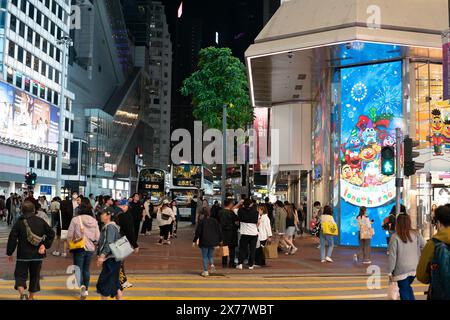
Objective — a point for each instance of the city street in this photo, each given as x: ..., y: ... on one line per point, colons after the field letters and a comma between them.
x: 173, y: 272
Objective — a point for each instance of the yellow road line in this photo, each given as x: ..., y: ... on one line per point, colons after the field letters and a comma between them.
x: 178, y: 298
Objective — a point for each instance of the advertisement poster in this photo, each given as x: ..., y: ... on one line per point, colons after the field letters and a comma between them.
x: 261, y: 126
x: 446, y: 70
x: 371, y: 109
x: 27, y: 119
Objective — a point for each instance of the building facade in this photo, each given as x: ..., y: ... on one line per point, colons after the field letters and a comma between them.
x: 31, y: 86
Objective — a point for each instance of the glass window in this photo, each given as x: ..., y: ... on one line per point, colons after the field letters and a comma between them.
x: 9, y: 77
x: 36, y: 64
x: 66, y: 124
x: 47, y: 3
x: 46, y: 162
x: 14, y: 2
x: 50, y: 72
x: 29, y: 35
x: 28, y: 60
x: 54, y: 7
x: 18, y: 80
x: 55, y: 98
x: 11, y: 48
x: 38, y: 17
x: 31, y: 11
x: 13, y: 22
x: 58, y: 55
x: 27, y: 84
x: 22, y: 29
x: 42, y: 92
x: 52, y: 28
x: 53, y: 166
x: 66, y: 145
x: 60, y: 13
x: 46, y: 23
x: 35, y: 88
x: 32, y: 155
x: 57, y: 76
x: 39, y: 160
x: 20, y: 54
x: 23, y: 6
x: 37, y: 41
x: 49, y: 95
x: 43, y: 68
x: 52, y: 51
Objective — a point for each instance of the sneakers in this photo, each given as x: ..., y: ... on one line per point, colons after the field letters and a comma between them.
x: 293, y: 251
x: 212, y: 269
x: 24, y: 297
x: 318, y: 247
x: 367, y: 262
x: 323, y: 261
x: 329, y: 259
x: 251, y: 268
x: 127, y: 285
x: 239, y: 266
x: 83, y: 293
x: 205, y: 274
x: 167, y: 242
x: 355, y: 258
x: 159, y: 242
x: 56, y: 253
x: 64, y: 255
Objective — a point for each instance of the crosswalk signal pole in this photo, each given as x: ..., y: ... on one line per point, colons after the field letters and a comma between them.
x: 398, y: 176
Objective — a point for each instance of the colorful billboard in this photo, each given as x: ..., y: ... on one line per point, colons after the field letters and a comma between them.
x: 371, y: 109
x: 27, y: 119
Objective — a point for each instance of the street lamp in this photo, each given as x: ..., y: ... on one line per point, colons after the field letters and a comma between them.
x: 65, y: 42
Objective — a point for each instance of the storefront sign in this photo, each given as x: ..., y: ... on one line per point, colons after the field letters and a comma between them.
x: 371, y: 197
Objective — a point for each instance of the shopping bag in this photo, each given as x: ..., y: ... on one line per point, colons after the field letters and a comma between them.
x: 271, y: 251
x: 393, y: 291
x: 225, y: 251
x: 366, y: 232
x: 330, y: 228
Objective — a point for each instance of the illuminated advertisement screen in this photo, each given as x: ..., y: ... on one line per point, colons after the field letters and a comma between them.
x: 186, y: 175
x: 25, y: 118
x: 371, y: 109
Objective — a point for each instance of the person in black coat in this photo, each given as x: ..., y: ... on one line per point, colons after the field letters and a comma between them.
x: 209, y: 235
x: 29, y: 256
x: 229, y: 222
x: 136, y: 209
x: 126, y: 223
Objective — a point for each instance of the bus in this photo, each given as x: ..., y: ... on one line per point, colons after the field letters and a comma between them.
x: 186, y: 182
x: 153, y: 183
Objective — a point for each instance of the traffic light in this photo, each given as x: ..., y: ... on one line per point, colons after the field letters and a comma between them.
x: 388, y: 161
x: 410, y: 166
x: 30, y: 178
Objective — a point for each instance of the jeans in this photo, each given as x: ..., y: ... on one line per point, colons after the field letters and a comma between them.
x: 364, y: 249
x: 83, y: 261
x: 245, y: 243
x: 323, y: 240
x: 406, y: 291
x: 207, y: 257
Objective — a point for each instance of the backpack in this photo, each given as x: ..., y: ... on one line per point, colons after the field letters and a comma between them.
x: 32, y: 238
x: 440, y: 272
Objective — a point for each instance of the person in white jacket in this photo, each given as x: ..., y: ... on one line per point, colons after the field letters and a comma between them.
x: 165, y: 216
x: 264, y: 235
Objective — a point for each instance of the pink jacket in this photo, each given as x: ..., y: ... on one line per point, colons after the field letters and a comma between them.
x: 91, y: 231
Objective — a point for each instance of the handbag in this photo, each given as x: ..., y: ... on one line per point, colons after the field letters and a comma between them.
x: 121, y: 249
x: 270, y: 251
x: 330, y: 228
x: 79, y: 243
x: 393, y: 291
x: 64, y: 233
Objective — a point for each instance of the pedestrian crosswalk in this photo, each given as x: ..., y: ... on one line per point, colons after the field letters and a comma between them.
x: 230, y: 287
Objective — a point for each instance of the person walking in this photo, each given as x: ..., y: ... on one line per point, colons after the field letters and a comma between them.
x: 165, y: 216
x: 301, y: 220
x: 248, y: 217
x: 365, y: 235
x: 136, y: 209
x: 202, y: 210
x: 215, y: 209
x: 176, y: 211
x: 209, y: 235
x: 64, y: 218
x: 42, y: 214
x: 125, y: 222
x: 405, y: 248
x: 193, y: 206
x: 55, y: 206
x: 270, y: 210
x: 326, y: 239
x: 84, y: 226
x: 9, y: 209
x: 31, y: 236
x: 264, y: 234
x: 435, y: 256
x: 290, y: 230
x: 228, y: 221
x: 280, y: 223
x: 108, y: 283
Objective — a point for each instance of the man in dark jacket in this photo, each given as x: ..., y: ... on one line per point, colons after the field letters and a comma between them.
x: 215, y: 209
x: 248, y: 217
x: 136, y: 210
x: 228, y: 221
x: 126, y: 223
x: 29, y: 256
x: 209, y: 236
x: 269, y: 207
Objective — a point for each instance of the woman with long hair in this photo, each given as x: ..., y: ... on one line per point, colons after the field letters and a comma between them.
x: 165, y: 217
x: 84, y: 226
x: 365, y: 235
x: 290, y: 230
x: 405, y: 248
x: 264, y: 234
x: 325, y: 239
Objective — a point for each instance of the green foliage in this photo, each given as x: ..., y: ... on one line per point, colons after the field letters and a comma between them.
x: 220, y: 80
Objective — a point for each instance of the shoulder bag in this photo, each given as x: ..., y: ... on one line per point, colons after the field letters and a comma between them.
x: 32, y: 238
x: 78, y: 244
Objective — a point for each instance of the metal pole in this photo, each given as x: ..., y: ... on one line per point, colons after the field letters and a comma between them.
x: 398, y: 178
x: 224, y: 154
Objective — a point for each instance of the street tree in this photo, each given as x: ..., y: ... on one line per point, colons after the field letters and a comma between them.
x: 220, y: 80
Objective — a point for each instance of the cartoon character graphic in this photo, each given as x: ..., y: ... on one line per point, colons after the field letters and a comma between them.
x: 352, y: 159
x: 347, y: 172
x: 371, y: 173
x: 437, y: 137
x: 369, y: 153
x: 357, y: 177
x: 369, y: 129
x: 353, y: 144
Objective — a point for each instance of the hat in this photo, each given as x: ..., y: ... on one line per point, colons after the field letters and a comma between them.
x: 165, y: 201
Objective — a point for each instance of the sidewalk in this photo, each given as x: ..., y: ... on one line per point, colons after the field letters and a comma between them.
x: 182, y: 258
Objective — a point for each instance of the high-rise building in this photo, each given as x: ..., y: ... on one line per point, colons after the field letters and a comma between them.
x: 30, y: 92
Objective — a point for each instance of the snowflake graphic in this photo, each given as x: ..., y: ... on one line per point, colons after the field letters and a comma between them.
x: 359, y: 92
x: 388, y: 100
